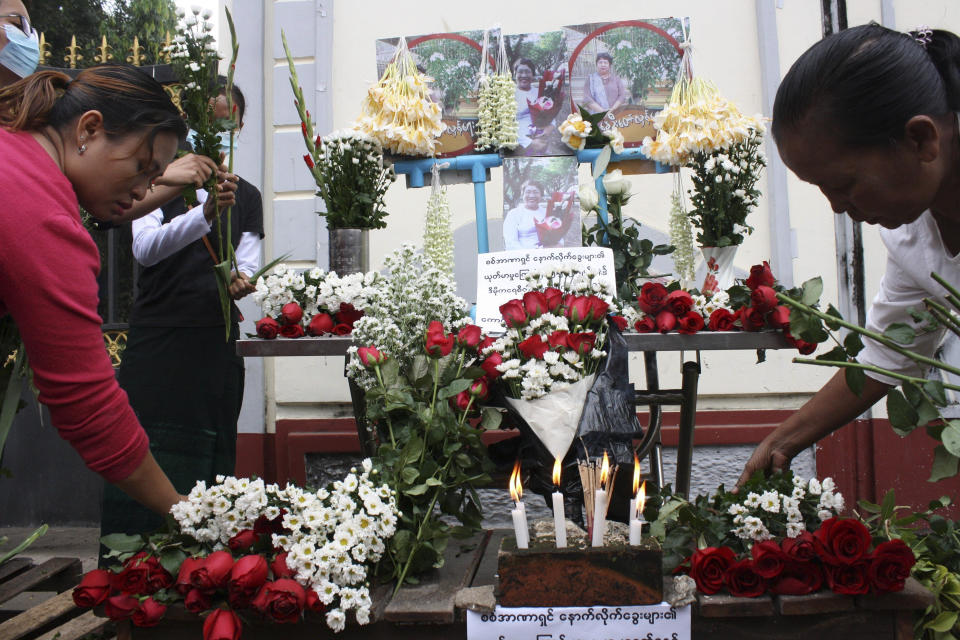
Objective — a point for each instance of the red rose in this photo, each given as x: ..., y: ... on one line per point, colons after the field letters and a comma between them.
x: 159, y: 578
x: 849, y: 579
x: 213, y: 571
x: 342, y: 329
x: 279, y: 567
x: 291, y: 331
x: 267, y: 328
x: 890, y: 565
x: 722, y: 320
x: 291, y: 313
x: 486, y: 342
x: 371, y: 357
x: 320, y: 324
x: 690, y: 322
x: 282, y: 600
x: 533, y: 347
x: 461, y: 401
x: 842, y: 541
x: 264, y: 525
x: 489, y: 365
x: 760, y: 276
x: 804, y: 347
x: 247, y: 576
x: 646, y: 324
x: 535, y: 304
x: 183, y: 584
x: 708, y: 566
x: 513, y: 313
x: 582, y: 343
x: 438, y: 344
x: 243, y: 540
x: 222, y: 624
x: 469, y: 336
x: 800, y: 548
x: 620, y: 321
x: 652, y: 297
x: 196, y: 601
x: 579, y: 310
x: 679, y: 301
x: 779, y: 317
x: 768, y: 558
x: 558, y: 340
x: 313, y: 602
x: 149, y: 613
x: 93, y: 589
x: 751, y: 319
x: 666, y: 321
x: 798, y: 578
x: 120, y: 606
x: 743, y: 581
x: 763, y: 298
x: 598, y: 308
x: 348, y: 314
x: 480, y: 388
x: 135, y: 575
x: 554, y: 298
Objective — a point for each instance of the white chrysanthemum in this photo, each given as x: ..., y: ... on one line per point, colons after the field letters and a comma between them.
x: 815, y: 487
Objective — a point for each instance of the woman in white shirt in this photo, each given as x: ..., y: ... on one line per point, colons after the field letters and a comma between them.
x: 520, y: 223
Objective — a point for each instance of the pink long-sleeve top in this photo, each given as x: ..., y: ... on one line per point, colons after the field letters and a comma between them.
x: 48, y: 283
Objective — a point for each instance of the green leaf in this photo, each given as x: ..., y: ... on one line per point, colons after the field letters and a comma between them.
x: 888, y: 505
x: 853, y: 344
x: 171, y: 559
x: 832, y: 311
x: 855, y: 379
x: 951, y: 437
x: 122, y: 542
x: 903, y: 417
x: 409, y: 475
x: 454, y: 388
x: 434, y: 482
x: 837, y: 354
x: 901, y: 333
x: 944, y: 464
x: 943, y: 622
x: 934, y: 389
x: 417, y: 490
x: 926, y: 412
x: 41, y: 530
x: 491, y: 418
x: 812, y: 290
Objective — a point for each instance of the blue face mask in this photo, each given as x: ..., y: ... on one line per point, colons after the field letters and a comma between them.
x: 224, y: 142
x: 21, y: 53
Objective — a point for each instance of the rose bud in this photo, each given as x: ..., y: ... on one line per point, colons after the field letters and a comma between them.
x: 222, y: 624
x: 598, y: 308
x: 890, y: 565
x: 535, y: 304
x: 779, y: 318
x: 134, y: 575
x: 743, y: 581
x: 760, y: 275
x: 620, y: 322
x: 558, y: 340
x: 513, y: 313
x: 120, y: 606
x: 763, y: 298
x: 342, y: 329
x: 439, y: 344
x: 282, y: 600
x: 469, y: 336
x: 93, y: 589
x: 798, y: 578
x: 680, y: 302
x: 480, y: 388
x: 279, y: 567
x: 579, y: 310
x: 768, y: 558
x: 751, y: 319
x: 554, y: 298
x: 183, y: 584
x: 159, y: 578
x: 722, y: 320
x: 462, y: 401
x: 646, y: 324
x: 666, y: 321
x: 196, y: 601
x: 267, y: 328
x: 291, y: 313
x: 800, y: 548
x: 653, y: 296
x: 291, y: 331
x: 582, y: 343
x: 314, y: 603
x: 371, y: 357
x: 246, y: 578
x: 348, y: 314
x: 805, y: 348
x: 213, y: 571
x: 243, y: 540
x: 149, y: 613
x: 533, y: 347
x: 486, y: 342
x: 489, y: 365
x: 690, y: 322
x: 320, y: 324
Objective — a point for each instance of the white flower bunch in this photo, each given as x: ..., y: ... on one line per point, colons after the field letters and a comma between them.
x: 761, y: 516
x: 574, y: 131
x: 331, y: 536
x: 403, y: 302
x: 706, y: 305
x: 681, y: 237
x: 437, y: 231
x: 315, y: 290
x: 497, y: 117
x: 349, y: 163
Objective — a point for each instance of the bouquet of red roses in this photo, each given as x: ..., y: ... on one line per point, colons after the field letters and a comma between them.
x: 549, y: 100
x: 559, y: 217
x: 291, y: 322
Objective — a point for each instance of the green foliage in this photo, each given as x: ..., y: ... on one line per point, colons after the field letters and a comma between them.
x: 545, y: 50
x: 453, y: 65
x: 29, y: 540
x: 643, y: 58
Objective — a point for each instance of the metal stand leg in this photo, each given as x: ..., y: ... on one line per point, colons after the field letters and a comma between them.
x: 688, y: 412
x: 656, y: 416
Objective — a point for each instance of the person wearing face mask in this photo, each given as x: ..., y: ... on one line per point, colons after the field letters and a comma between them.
x: 19, y: 43
x: 96, y: 141
x: 176, y: 346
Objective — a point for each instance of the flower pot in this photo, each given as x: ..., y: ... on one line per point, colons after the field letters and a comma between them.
x: 718, y: 262
x: 349, y: 250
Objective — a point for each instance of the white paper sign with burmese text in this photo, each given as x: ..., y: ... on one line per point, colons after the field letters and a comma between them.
x: 501, y: 276
x: 647, y: 622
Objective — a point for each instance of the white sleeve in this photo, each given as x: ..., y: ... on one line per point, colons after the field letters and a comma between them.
x: 153, y: 240
x: 897, y: 295
x: 511, y: 226
x: 248, y: 253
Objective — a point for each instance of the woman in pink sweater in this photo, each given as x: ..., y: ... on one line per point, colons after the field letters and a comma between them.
x: 96, y: 141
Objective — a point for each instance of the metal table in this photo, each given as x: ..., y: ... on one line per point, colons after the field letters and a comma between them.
x: 653, y: 396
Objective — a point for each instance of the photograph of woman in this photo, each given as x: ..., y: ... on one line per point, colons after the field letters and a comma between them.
x: 538, y: 64
x: 539, y: 203
x: 605, y: 90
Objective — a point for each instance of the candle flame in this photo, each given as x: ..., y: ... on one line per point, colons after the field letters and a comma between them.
x: 556, y: 473
x: 641, y: 499
x: 636, y: 472
x: 516, y: 489
x: 604, y: 470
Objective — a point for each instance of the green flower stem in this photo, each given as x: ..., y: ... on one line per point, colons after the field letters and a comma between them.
x: 868, y: 367
x: 954, y: 297
x: 916, y: 357
x: 463, y: 417
x: 943, y: 315
x: 376, y: 370
x: 423, y: 523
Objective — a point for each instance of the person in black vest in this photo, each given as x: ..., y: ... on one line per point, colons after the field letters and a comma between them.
x: 184, y: 380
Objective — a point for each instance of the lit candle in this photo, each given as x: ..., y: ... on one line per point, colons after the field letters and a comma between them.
x: 519, y: 514
x: 559, y: 518
x: 600, y: 504
x: 636, y: 485
x: 636, y: 517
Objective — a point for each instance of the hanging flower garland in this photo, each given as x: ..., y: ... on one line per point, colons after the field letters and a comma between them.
x: 398, y: 111
x: 437, y: 232
x: 497, y: 118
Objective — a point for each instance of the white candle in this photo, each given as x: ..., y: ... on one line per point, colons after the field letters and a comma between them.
x: 599, y: 516
x: 636, y: 531
x: 520, y: 526
x: 631, y: 514
x: 559, y: 520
